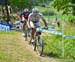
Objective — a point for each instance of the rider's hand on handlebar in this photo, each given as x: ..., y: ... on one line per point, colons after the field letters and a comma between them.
x: 46, y: 26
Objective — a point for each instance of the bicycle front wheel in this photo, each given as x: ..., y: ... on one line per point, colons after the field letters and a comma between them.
x: 39, y: 45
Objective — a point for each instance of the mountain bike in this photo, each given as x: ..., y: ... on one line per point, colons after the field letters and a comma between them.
x: 38, y: 41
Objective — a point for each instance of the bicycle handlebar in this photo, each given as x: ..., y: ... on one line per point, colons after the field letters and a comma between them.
x: 41, y: 28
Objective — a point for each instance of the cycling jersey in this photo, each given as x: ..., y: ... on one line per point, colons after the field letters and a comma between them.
x: 36, y: 19
x: 26, y: 17
x: 25, y: 14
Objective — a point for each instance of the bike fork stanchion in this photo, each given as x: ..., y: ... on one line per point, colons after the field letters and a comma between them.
x: 42, y: 49
x: 26, y: 35
x: 41, y: 45
x: 35, y: 46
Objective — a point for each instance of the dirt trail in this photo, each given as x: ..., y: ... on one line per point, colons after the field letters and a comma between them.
x: 42, y: 59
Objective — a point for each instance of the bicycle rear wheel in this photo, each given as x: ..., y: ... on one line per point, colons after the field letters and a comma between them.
x: 27, y: 34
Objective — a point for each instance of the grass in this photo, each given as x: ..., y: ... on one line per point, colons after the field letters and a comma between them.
x: 12, y: 49
x: 53, y: 47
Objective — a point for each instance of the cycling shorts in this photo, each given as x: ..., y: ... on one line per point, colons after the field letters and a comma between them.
x: 23, y: 21
x: 36, y: 23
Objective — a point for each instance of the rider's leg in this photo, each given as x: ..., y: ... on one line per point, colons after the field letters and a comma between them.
x: 24, y: 27
x: 32, y: 31
x: 37, y: 25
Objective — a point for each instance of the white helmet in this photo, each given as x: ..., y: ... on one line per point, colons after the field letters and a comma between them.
x: 35, y: 10
x: 26, y: 10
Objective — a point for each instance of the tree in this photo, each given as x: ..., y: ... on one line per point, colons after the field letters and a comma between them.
x: 21, y: 4
x: 73, y: 2
x: 65, y: 5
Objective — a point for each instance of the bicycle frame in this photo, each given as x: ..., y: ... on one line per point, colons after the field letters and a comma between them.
x: 38, y: 46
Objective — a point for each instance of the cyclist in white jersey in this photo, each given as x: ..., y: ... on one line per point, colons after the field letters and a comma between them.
x: 34, y: 21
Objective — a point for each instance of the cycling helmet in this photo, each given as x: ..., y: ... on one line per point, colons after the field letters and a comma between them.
x: 35, y: 10
x: 26, y: 10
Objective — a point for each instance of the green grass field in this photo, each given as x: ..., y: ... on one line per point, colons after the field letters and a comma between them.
x: 13, y: 48
x: 53, y: 47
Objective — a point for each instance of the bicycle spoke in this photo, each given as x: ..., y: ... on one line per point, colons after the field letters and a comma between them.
x: 39, y: 46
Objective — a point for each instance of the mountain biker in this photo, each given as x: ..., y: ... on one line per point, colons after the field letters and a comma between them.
x: 24, y: 18
x: 34, y: 21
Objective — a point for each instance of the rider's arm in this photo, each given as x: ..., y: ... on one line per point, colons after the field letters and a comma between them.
x: 44, y: 22
x: 43, y: 19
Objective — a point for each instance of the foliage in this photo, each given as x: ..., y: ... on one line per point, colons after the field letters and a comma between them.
x: 71, y: 19
x: 53, y: 45
x: 46, y: 11
x: 20, y: 3
x: 25, y: 3
x: 65, y: 5
x: 12, y: 49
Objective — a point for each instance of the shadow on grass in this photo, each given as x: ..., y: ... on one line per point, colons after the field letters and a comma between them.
x: 51, y: 54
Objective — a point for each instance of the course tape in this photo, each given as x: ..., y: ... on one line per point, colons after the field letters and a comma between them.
x: 52, y: 32
x: 58, y: 33
x: 70, y: 37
